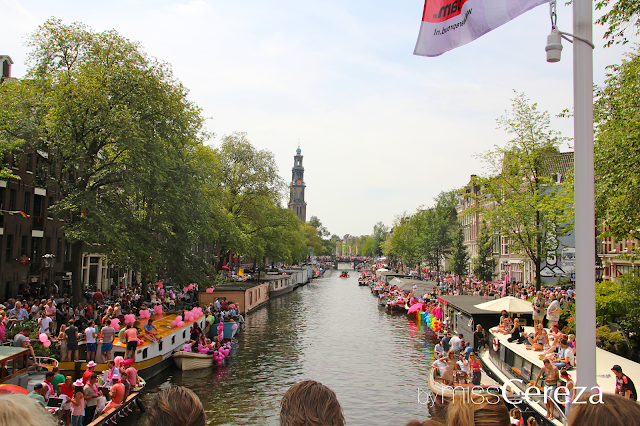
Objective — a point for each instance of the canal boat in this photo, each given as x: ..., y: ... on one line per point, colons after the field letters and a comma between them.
x: 344, y: 274
x: 186, y: 361
x: 447, y: 394
x: 506, y: 361
x: 113, y: 415
x: 151, y: 357
x: 229, y: 329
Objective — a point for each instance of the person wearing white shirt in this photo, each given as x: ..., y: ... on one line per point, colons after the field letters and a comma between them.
x: 464, y: 373
x: 90, y: 336
x: 44, y: 324
x: 456, y: 343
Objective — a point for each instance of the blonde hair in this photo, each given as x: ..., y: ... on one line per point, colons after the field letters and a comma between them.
x: 479, y: 410
x: 20, y: 410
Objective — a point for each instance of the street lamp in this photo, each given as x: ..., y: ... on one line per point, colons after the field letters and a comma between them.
x: 584, y: 203
x: 49, y: 260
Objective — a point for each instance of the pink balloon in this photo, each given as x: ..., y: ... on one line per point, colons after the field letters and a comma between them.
x: 46, y: 343
x: 161, y: 292
x: 43, y: 337
x: 115, y: 323
x: 145, y: 313
x: 234, y: 326
x: 181, y: 324
x: 140, y: 342
x: 157, y: 309
x: 179, y: 318
x: 209, y: 290
x: 185, y: 289
x: 129, y: 319
x: 219, y: 363
x: 174, y: 323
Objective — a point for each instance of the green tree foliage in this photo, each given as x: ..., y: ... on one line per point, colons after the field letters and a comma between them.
x: 621, y: 17
x: 403, y: 244
x: 459, y: 255
x: 617, y: 149
x: 484, y: 264
x: 520, y: 199
x: 379, y: 236
x: 248, y: 187
x: 436, y: 228
x: 116, y: 132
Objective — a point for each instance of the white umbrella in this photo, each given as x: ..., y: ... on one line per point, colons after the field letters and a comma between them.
x: 383, y: 270
x: 509, y: 304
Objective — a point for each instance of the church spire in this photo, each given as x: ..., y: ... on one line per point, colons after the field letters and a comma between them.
x: 297, y: 204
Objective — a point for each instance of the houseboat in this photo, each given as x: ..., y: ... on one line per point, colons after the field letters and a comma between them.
x: 151, y: 357
x: 508, y: 361
x: 247, y: 295
x: 280, y: 284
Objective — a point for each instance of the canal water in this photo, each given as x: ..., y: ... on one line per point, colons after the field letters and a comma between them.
x: 332, y: 331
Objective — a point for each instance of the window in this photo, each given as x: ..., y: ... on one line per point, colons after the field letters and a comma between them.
x: 145, y: 352
x: 504, y: 246
x: 49, y: 214
x: 160, y: 346
x: 27, y: 202
x: 29, y: 163
x: 184, y: 334
x: 12, y: 199
x: 173, y: 340
x: 24, y: 248
x: 9, y: 249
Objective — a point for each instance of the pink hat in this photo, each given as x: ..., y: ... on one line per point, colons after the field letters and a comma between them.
x: 78, y: 383
x: 128, y: 361
x: 91, y: 364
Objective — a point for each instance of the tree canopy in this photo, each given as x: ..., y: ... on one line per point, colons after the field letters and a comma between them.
x: 521, y: 199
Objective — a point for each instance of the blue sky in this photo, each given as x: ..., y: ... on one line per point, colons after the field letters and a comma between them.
x: 382, y: 131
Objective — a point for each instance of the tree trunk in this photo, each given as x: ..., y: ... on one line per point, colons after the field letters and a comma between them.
x: 76, y: 272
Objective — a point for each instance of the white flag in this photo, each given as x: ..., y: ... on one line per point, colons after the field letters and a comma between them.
x: 447, y: 24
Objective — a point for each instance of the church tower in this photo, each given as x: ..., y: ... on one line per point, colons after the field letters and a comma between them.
x: 296, y: 198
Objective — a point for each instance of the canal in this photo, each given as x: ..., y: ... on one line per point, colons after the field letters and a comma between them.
x: 332, y: 331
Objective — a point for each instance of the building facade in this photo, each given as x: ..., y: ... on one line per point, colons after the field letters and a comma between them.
x: 297, y: 204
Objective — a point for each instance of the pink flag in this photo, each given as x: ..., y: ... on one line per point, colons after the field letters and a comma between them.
x: 447, y: 24
x: 504, y: 286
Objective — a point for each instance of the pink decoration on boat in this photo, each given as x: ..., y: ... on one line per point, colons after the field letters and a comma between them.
x: 129, y: 318
x: 145, y: 314
x: 43, y: 337
x: 157, y: 309
x: 115, y: 323
x: 46, y: 343
x: 234, y: 327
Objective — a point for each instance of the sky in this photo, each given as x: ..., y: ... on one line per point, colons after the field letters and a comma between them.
x: 382, y: 131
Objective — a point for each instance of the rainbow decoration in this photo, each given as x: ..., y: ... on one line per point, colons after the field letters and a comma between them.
x: 15, y: 213
x: 434, y: 323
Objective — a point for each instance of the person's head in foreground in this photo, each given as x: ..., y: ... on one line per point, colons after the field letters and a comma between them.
x: 20, y: 410
x: 614, y: 410
x: 310, y: 403
x: 478, y: 410
x: 176, y: 406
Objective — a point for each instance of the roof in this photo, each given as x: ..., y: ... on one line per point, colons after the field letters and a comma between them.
x: 9, y: 351
x: 467, y: 304
x: 559, y: 163
x: 239, y: 286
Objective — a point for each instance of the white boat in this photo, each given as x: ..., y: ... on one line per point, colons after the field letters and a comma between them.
x: 459, y: 390
x: 192, y: 361
x: 506, y: 361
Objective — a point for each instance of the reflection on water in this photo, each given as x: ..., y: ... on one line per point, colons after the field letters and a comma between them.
x: 332, y: 331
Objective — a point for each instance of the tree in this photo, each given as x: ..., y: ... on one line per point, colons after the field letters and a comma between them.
x: 484, y: 265
x: 617, y: 149
x: 435, y: 227
x: 521, y: 199
x: 380, y: 231
x: 248, y: 186
x: 403, y: 243
x: 323, y: 232
x: 622, y: 16
x: 459, y: 255
x: 114, y: 129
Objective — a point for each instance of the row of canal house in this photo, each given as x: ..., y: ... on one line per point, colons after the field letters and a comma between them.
x: 250, y: 295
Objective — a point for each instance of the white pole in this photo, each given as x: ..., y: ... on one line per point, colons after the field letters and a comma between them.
x: 584, y: 193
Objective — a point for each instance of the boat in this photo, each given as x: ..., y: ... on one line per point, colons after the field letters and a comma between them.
x: 447, y: 394
x: 114, y: 415
x: 506, y: 361
x: 344, y: 274
x: 151, y: 357
x: 192, y: 361
x: 229, y: 331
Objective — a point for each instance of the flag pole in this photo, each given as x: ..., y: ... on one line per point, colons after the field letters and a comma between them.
x: 585, y: 237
